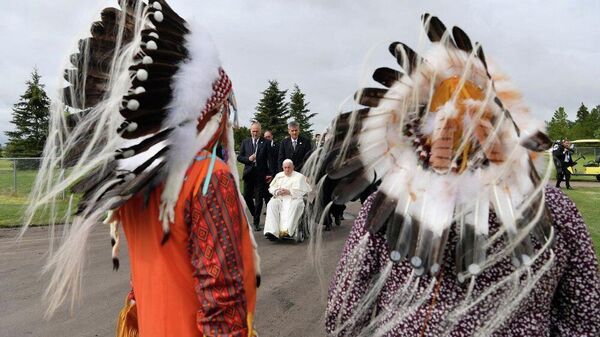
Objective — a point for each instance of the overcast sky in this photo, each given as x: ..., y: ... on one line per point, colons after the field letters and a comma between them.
x: 549, y: 48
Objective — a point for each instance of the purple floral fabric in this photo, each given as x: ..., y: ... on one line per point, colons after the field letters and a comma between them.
x: 564, y: 302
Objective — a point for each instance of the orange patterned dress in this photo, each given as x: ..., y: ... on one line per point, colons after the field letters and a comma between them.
x: 201, y: 282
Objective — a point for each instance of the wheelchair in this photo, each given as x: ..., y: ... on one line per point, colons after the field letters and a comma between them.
x: 302, y: 230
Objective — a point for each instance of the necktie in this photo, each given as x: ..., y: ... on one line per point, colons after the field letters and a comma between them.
x: 253, y: 145
x: 294, y: 144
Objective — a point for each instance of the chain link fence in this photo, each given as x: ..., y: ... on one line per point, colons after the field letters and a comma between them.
x: 17, y: 175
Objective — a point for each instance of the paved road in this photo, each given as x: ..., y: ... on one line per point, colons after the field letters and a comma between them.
x: 578, y: 183
x: 290, y: 300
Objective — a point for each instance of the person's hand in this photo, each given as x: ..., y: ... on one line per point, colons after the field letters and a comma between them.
x: 268, y: 179
x: 252, y: 157
x: 283, y: 191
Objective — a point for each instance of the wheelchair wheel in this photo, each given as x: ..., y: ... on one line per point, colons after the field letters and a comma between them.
x: 299, y: 236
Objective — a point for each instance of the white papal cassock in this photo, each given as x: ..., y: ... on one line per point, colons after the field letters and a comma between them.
x: 284, y: 211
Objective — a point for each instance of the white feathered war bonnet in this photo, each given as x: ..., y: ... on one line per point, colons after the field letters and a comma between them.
x: 146, y: 92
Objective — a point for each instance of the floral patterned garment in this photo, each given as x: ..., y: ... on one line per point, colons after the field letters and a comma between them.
x: 564, y: 302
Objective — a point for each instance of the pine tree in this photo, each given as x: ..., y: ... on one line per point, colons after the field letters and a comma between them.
x: 582, y: 112
x: 581, y: 127
x: 594, y: 121
x: 272, y: 111
x: 558, y: 127
x: 240, y: 134
x: 30, y: 117
x: 299, y: 112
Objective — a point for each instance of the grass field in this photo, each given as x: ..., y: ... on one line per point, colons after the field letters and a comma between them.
x: 587, y: 200
x: 13, y: 204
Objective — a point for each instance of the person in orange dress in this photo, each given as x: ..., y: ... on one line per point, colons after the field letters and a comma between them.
x: 148, y: 145
x: 201, y: 281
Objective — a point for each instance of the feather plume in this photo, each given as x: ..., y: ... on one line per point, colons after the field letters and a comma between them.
x: 146, y: 62
x: 387, y: 76
x: 439, y: 137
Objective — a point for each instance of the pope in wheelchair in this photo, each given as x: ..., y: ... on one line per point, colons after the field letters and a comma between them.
x: 285, y: 208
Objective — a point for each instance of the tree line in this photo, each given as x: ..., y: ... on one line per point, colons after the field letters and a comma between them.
x: 31, y: 114
x: 30, y: 117
x: 585, y: 126
x: 273, y: 112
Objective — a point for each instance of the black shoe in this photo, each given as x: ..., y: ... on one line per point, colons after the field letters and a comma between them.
x: 271, y: 237
x: 256, y: 227
x: 569, y: 187
x: 338, y: 220
x: 328, y: 228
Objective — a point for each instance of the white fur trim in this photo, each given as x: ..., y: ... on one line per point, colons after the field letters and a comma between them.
x: 142, y: 75
x: 133, y: 104
x: 151, y: 45
x: 147, y: 60
x: 132, y: 127
x: 192, y: 87
x: 158, y: 16
x: 179, y: 159
x: 193, y: 82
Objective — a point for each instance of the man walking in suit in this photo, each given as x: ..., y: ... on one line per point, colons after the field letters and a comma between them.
x: 295, y: 147
x: 563, y: 157
x: 273, y: 153
x: 254, y: 154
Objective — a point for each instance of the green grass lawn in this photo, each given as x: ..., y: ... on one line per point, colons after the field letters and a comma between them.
x: 13, y: 204
x: 24, y: 181
x: 587, y: 200
x: 14, y: 201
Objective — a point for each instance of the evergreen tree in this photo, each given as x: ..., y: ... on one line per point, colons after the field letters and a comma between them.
x: 240, y: 134
x: 272, y: 111
x: 558, y: 127
x: 299, y: 112
x: 30, y: 117
x: 594, y: 121
x: 582, y: 112
x: 581, y: 127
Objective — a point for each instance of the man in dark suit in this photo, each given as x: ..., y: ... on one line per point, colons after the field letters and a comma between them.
x: 295, y: 147
x: 273, y: 153
x: 562, y: 155
x: 254, y: 154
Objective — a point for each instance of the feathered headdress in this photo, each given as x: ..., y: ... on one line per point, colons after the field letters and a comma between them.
x: 442, y: 137
x: 146, y: 92
x: 451, y: 140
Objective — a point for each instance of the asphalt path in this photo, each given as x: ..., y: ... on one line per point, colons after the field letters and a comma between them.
x: 291, y: 299
x: 578, y: 183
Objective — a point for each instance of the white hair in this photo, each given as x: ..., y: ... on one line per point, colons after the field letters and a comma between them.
x: 288, y: 161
